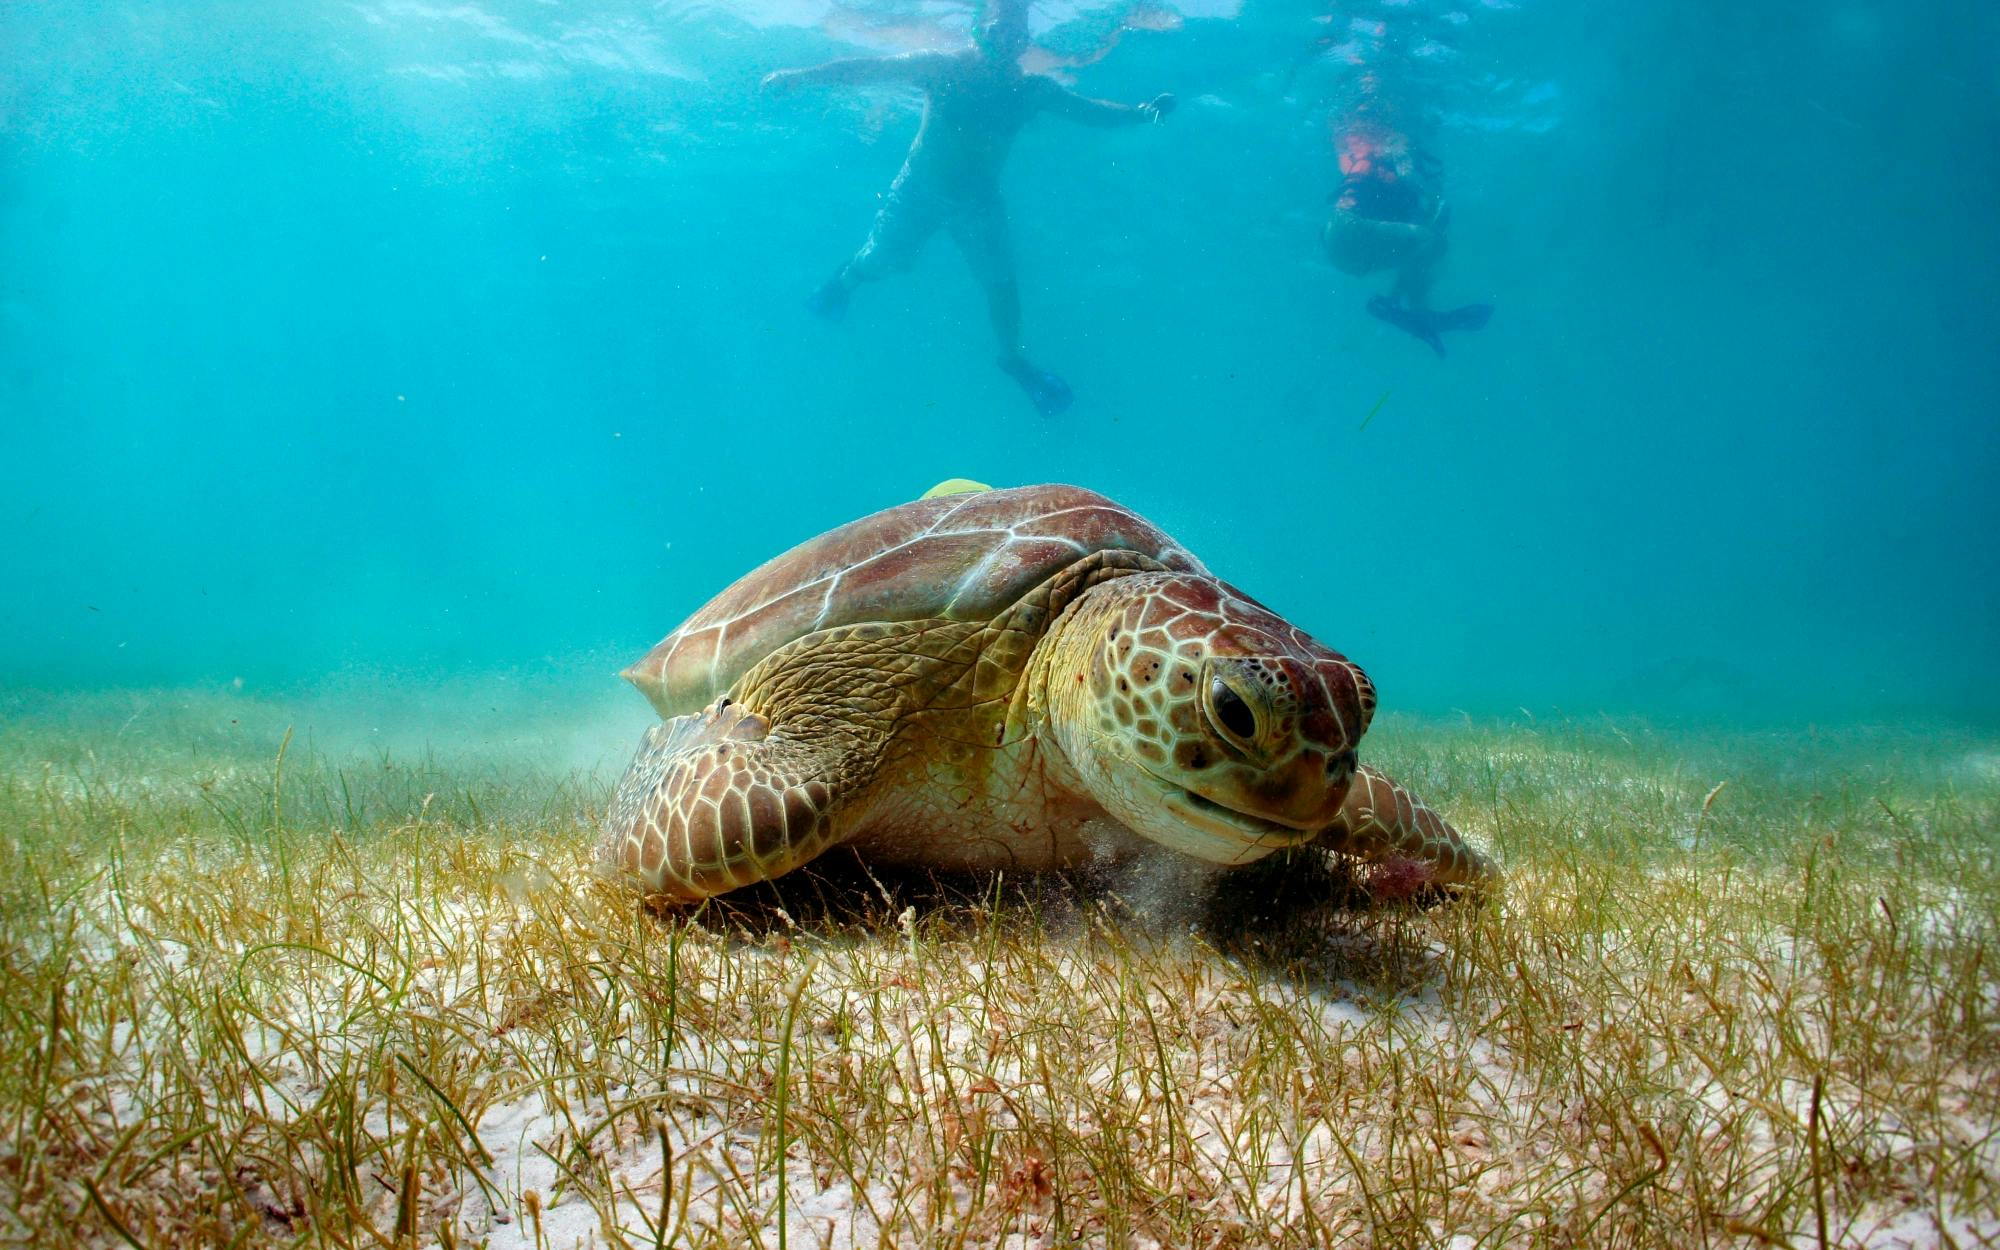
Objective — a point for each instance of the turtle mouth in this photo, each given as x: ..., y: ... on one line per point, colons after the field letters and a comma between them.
x: 1205, y: 813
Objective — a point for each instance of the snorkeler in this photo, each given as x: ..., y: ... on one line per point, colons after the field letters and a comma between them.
x: 975, y: 102
x: 1388, y: 215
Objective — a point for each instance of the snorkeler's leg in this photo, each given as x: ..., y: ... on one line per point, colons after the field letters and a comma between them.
x: 1003, y: 309
x: 902, y: 225
x: 981, y: 234
x: 1048, y: 392
x: 1414, y: 273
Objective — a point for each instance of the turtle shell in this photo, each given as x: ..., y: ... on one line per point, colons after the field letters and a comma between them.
x: 954, y: 557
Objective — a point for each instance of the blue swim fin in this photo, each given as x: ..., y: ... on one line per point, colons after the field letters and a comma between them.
x: 1049, y: 393
x: 830, y: 301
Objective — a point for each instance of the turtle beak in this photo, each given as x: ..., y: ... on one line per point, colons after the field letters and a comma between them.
x: 1306, y: 791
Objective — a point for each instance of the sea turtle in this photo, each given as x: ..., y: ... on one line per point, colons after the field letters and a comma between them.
x: 1032, y: 678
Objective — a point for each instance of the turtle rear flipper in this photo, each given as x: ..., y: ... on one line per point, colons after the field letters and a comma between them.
x: 716, y: 800
x: 1380, y: 819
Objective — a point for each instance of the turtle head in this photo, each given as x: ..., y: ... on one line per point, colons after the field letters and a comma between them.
x: 1201, y: 719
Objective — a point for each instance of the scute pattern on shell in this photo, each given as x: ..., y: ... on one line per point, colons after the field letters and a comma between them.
x: 955, y: 557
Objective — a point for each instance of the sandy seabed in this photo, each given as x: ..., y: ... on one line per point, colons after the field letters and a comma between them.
x: 1738, y: 990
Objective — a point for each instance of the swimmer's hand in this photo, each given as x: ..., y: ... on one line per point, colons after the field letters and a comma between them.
x: 780, y: 82
x: 1159, y: 106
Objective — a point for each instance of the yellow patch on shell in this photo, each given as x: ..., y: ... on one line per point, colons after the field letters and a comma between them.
x: 955, y: 486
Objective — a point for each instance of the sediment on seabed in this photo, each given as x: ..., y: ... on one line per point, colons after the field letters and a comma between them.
x: 1737, y: 990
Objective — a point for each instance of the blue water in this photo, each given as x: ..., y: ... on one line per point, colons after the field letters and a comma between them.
x: 428, y: 338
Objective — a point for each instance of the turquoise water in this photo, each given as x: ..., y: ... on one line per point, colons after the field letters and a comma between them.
x: 442, y: 339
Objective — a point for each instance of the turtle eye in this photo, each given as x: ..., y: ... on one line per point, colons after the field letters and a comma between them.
x: 1229, y: 712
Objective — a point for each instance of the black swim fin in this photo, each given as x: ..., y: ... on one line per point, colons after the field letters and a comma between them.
x: 1428, y: 326
x: 1416, y: 323
x: 1468, y: 317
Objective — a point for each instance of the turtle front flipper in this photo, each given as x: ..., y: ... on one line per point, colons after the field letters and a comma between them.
x: 715, y: 800
x: 1380, y: 819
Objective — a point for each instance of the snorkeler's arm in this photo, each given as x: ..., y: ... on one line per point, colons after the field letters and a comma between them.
x: 1063, y: 102
x: 910, y: 68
